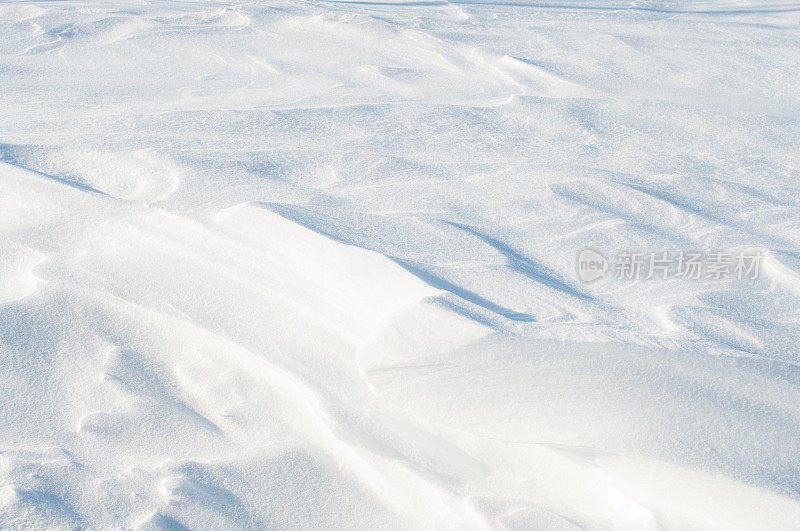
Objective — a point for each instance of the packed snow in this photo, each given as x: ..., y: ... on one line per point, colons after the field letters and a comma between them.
x: 315, y: 264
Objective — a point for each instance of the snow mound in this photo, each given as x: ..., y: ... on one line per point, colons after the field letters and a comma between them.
x: 313, y: 265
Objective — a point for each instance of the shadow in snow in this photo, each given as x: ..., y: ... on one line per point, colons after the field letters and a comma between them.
x: 440, y: 283
x: 307, y: 221
x: 524, y: 265
x: 7, y: 155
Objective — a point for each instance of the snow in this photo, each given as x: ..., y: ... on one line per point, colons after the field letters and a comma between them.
x: 313, y: 264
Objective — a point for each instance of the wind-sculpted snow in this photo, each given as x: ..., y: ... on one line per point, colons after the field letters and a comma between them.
x: 297, y: 265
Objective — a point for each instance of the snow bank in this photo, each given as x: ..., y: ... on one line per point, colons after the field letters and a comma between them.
x: 313, y: 265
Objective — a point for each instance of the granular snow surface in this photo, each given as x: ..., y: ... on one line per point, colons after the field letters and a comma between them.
x: 315, y: 264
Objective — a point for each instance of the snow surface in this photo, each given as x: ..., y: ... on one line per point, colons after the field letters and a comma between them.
x: 298, y: 264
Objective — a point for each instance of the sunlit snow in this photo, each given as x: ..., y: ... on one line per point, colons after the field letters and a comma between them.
x: 313, y: 264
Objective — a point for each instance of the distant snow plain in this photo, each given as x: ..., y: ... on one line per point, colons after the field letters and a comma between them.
x: 313, y: 264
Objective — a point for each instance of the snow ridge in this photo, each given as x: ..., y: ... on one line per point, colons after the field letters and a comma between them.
x: 313, y: 265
